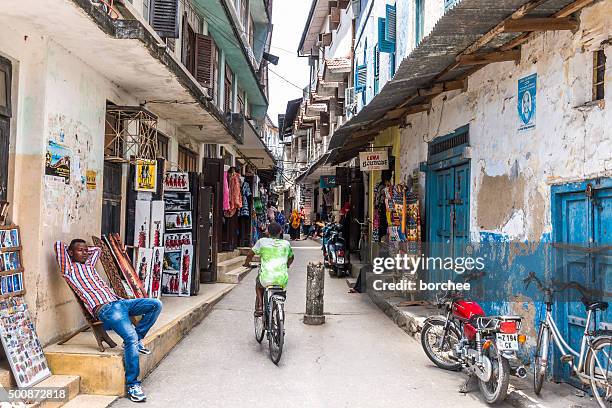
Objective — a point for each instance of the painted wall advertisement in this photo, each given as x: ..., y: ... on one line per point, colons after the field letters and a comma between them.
x: 57, y: 162
x: 374, y: 160
x: 527, y: 102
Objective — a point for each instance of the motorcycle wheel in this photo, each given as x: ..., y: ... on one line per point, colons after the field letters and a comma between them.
x: 496, y: 389
x: 430, y: 335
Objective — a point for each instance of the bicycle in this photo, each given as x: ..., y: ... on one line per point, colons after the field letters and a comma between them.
x: 593, y: 368
x: 272, y: 322
x: 363, y: 238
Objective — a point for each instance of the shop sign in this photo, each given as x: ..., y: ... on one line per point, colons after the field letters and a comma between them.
x: 374, y: 160
x: 146, y: 175
x: 327, y: 182
x: 527, y: 102
x: 57, y: 161
x: 90, y: 175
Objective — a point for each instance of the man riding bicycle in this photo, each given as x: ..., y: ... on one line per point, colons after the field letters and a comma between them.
x: 276, y: 257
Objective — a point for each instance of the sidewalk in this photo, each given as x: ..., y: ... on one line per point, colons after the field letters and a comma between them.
x: 521, y: 395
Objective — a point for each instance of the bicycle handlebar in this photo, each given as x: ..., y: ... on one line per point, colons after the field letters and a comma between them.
x: 533, y: 278
x: 558, y: 286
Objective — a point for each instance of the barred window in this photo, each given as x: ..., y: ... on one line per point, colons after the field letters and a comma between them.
x: 187, y: 159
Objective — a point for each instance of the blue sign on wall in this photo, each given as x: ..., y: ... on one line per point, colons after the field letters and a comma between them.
x: 527, y: 102
x: 327, y: 182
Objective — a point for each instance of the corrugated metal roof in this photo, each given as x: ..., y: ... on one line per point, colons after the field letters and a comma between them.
x: 456, y: 30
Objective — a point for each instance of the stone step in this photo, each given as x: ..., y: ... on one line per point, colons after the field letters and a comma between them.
x: 6, y: 376
x: 70, y: 382
x: 102, y: 373
x: 244, y: 250
x: 234, y: 276
x: 229, y: 265
x: 91, y: 401
x: 225, y: 256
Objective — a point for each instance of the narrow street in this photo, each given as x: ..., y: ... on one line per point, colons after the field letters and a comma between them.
x: 359, y: 358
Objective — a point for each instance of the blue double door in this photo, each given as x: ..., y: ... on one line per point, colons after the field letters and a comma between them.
x: 581, y: 252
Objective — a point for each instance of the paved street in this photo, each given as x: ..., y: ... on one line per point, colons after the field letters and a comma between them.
x: 359, y: 358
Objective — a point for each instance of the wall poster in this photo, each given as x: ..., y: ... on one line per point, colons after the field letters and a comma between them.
x: 527, y: 87
x: 57, y: 161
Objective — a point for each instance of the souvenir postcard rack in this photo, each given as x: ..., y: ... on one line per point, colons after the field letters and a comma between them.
x: 11, y: 262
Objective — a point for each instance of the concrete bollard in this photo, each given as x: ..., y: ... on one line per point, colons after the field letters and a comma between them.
x: 315, y: 282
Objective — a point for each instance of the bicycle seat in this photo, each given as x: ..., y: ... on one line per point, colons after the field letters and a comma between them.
x: 594, y: 304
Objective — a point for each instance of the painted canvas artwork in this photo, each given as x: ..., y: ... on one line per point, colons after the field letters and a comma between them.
x: 142, y: 223
x: 173, y: 242
x: 157, y: 224
x: 24, y: 351
x: 170, y: 283
x: 185, y: 269
x: 143, y: 266
x: 177, y: 201
x: 146, y: 175
x: 9, y: 238
x: 176, y: 181
x: 10, y: 261
x: 178, y: 220
x: 157, y: 265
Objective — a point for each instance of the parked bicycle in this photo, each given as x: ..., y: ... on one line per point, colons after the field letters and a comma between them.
x: 363, y: 239
x: 272, y: 322
x: 594, y: 365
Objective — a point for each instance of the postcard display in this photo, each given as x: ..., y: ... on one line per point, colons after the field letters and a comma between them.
x: 17, y: 333
x: 178, y: 236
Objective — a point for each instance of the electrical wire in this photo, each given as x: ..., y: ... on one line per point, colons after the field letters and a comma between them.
x: 285, y: 79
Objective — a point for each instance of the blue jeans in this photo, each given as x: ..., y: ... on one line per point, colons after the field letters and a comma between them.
x: 116, y: 316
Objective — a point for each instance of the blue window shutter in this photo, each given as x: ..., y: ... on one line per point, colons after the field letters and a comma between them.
x: 383, y: 44
x: 361, y: 78
x: 392, y: 65
x: 419, y: 20
x: 390, y: 23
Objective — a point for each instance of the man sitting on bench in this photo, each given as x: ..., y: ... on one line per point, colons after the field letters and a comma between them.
x: 77, y: 263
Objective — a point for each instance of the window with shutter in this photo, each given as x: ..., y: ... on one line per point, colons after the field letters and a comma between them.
x: 383, y: 44
x: 390, y: 23
x: 163, y: 17
x: 376, y: 69
x: 204, y: 53
x: 229, y: 89
x: 361, y: 78
x: 419, y: 20
x: 188, y: 49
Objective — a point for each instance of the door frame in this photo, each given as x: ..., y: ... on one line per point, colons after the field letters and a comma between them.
x: 6, y: 67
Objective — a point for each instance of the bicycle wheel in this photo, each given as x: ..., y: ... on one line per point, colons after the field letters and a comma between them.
x: 277, y: 332
x: 599, y: 368
x: 260, y: 324
x: 541, y: 358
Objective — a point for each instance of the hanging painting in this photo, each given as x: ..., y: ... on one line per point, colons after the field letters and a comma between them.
x: 177, y: 201
x: 143, y: 265
x: 186, y: 264
x: 157, y: 265
x: 157, y: 223
x: 171, y: 273
x: 178, y: 220
x: 142, y: 223
x: 173, y: 242
x: 176, y: 181
x: 21, y: 345
x: 146, y: 175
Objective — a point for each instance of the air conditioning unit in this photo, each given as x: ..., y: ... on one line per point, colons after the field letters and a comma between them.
x: 350, y: 103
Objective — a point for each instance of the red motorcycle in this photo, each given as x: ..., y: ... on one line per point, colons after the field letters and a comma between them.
x: 485, y: 346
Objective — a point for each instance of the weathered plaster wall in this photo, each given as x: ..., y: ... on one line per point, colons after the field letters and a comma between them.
x: 512, y: 170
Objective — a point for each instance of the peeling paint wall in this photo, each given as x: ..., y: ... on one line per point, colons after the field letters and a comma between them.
x: 512, y: 171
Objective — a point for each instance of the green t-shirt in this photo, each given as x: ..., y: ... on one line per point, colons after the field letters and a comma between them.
x: 274, y: 254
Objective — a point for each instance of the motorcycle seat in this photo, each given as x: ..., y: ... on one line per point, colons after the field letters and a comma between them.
x: 594, y: 304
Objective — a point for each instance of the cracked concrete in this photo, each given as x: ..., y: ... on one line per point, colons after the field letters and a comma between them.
x: 358, y: 358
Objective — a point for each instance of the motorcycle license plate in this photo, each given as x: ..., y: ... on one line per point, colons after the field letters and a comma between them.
x: 340, y: 260
x: 507, y: 341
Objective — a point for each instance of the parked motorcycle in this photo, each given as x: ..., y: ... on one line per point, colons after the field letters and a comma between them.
x: 485, y: 346
x: 335, y: 256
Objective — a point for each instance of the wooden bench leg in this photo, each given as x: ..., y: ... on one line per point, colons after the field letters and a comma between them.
x: 74, y: 333
x: 102, y: 336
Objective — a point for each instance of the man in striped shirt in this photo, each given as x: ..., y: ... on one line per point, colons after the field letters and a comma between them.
x: 77, y: 263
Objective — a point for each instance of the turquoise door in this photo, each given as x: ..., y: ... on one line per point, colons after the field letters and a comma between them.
x: 448, y: 210
x: 582, y: 229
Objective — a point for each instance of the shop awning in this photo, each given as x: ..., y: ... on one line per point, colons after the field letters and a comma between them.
x: 130, y: 55
x: 293, y: 108
x: 253, y: 148
x: 433, y: 66
x: 316, y: 170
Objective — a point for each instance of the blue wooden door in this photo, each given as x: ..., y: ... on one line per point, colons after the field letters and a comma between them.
x: 448, y: 212
x: 582, y: 228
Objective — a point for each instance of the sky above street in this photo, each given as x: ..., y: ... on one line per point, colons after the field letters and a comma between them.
x: 288, y: 18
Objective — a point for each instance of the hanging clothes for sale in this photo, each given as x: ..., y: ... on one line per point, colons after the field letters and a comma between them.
x: 246, y: 198
x: 235, y: 195
x: 226, y: 201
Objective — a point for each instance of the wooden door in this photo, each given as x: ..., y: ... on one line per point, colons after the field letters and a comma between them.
x: 213, y: 177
